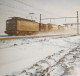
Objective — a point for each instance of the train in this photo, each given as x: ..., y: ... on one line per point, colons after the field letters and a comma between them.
x: 20, y: 26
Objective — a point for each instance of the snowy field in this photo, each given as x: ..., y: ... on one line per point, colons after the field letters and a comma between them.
x: 17, y: 55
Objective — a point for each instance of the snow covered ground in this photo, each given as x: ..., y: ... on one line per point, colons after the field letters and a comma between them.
x: 26, y: 52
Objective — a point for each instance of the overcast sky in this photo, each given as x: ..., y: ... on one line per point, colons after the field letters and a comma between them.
x: 48, y: 9
x: 54, y: 8
x: 58, y: 7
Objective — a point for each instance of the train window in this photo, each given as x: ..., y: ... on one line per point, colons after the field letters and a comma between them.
x: 9, y: 22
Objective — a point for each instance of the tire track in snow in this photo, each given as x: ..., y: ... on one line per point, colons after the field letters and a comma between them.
x: 51, y: 65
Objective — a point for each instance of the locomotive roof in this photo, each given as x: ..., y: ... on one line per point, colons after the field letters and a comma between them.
x: 19, y: 18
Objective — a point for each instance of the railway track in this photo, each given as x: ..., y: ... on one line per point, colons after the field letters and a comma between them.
x: 6, y: 42
x: 32, y: 36
x: 62, y: 60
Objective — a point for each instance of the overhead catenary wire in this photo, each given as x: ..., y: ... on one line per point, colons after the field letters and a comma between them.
x: 59, y: 18
x: 23, y: 10
x: 41, y: 10
x: 17, y: 8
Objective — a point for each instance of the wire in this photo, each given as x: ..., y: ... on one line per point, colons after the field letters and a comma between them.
x: 13, y: 7
x: 33, y: 7
x: 59, y: 18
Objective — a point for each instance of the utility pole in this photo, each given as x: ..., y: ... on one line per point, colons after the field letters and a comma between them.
x: 77, y: 24
x: 40, y: 23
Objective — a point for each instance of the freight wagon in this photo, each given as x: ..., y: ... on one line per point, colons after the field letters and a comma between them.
x: 21, y: 26
x: 60, y: 27
x: 44, y: 27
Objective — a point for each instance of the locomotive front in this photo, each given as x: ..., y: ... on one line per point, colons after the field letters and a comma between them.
x: 11, y: 26
x: 21, y: 26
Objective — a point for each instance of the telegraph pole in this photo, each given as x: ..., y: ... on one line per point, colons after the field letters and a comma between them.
x: 40, y: 23
x: 77, y: 24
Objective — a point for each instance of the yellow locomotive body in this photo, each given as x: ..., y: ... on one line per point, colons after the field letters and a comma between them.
x: 20, y: 26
